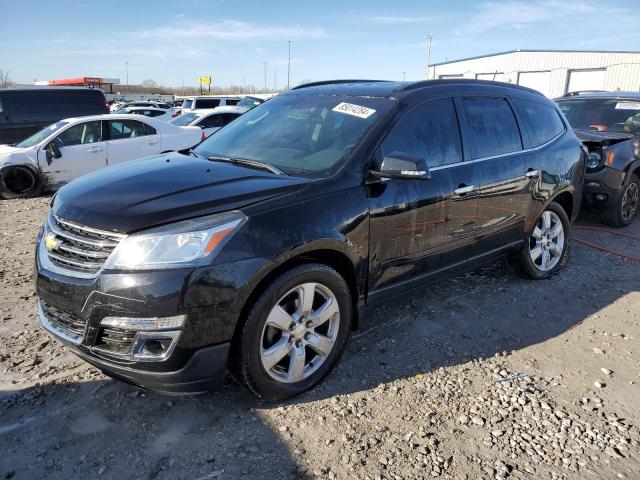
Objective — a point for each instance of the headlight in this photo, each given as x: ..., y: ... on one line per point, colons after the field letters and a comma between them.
x: 177, y: 245
x: 595, y: 159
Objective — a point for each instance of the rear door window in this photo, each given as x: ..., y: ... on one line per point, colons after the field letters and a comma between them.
x: 430, y: 131
x: 232, y: 101
x: 207, y: 103
x: 83, y: 133
x: 120, y: 129
x: 541, y: 122
x: 492, y: 126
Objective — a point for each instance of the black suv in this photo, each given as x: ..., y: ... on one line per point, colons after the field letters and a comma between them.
x: 261, y: 248
x: 608, y: 123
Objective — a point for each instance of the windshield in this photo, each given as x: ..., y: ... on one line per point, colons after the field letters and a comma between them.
x: 250, y: 102
x: 41, y: 135
x: 185, y: 119
x: 603, y: 115
x: 303, y: 135
x: 187, y: 103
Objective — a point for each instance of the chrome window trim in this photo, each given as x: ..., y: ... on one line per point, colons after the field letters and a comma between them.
x: 518, y: 152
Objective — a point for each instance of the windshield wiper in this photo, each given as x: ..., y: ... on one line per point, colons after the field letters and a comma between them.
x: 247, y: 163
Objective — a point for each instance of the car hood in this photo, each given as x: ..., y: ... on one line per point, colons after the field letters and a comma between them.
x: 164, y: 189
x: 604, y: 138
x: 10, y: 155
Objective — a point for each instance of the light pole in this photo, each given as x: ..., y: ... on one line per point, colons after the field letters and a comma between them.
x: 265, y: 77
x: 404, y: 76
x: 275, y: 80
x: 126, y: 70
x: 289, y: 67
x: 428, y: 54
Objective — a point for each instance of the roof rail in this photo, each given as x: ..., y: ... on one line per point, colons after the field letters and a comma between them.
x: 332, y: 82
x: 581, y: 92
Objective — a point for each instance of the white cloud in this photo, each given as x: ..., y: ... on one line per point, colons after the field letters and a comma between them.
x: 518, y: 14
x: 228, y: 30
x: 391, y: 19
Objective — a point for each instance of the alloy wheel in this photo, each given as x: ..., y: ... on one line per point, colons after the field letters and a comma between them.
x: 547, y: 241
x: 300, y: 332
x: 629, y: 202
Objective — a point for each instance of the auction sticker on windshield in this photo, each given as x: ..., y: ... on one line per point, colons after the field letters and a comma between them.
x: 626, y: 106
x: 355, y: 110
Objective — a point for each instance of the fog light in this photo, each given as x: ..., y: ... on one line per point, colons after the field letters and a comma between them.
x: 601, y: 197
x: 144, y: 323
x: 154, y: 346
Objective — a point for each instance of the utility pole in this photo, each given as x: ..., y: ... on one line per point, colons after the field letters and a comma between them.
x: 428, y: 54
x: 289, y: 68
x: 265, y: 77
x: 126, y: 69
x: 404, y: 76
x: 275, y: 80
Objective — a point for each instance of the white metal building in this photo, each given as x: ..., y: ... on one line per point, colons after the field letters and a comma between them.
x: 552, y: 72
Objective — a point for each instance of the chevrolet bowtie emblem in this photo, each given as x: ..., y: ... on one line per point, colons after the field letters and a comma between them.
x: 51, y: 242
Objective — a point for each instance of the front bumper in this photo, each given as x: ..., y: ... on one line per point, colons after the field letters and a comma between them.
x: 603, y: 189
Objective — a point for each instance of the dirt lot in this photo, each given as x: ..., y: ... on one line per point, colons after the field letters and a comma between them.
x: 424, y: 388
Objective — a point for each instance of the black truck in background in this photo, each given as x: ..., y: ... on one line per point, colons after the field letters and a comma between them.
x: 24, y: 111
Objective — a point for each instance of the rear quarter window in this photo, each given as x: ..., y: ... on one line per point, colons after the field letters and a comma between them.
x: 541, y: 122
x: 493, y: 127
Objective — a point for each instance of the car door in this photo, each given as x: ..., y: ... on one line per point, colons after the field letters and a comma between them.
x: 419, y: 228
x: 505, y: 172
x: 82, y: 150
x: 129, y: 140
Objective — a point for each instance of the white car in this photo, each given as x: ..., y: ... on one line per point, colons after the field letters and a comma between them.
x: 73, y: 147
x: 157, y: 113
x: 209, y: 120
x: 139, y: 103
x: 200, y: 102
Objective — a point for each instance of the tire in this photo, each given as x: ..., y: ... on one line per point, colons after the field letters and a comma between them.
x: 541, y: 239
x: 20, y: 182
x: 257, y: 347
x: 628, y: 206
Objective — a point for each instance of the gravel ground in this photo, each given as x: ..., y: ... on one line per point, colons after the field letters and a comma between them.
x: 480, y: 377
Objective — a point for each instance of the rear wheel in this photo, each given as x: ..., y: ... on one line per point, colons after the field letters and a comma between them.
x: 294, y: 334
x: 20, y: 182
x: 546, y: 250
x: 626, y: 210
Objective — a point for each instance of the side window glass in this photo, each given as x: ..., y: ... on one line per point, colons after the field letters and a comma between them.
x: 429, y: 131
x: 207, y: 103
x: 541, y: 122
x: 232, y: 102
x: 493, y: 127
x: 83, y: 133
x: 121, y: 129
x: 1, y: 107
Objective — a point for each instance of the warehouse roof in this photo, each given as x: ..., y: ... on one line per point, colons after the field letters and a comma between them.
x: 525, y: 50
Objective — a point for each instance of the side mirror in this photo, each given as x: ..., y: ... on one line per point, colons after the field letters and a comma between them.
x: 53, y: 151
x: 402, y: 165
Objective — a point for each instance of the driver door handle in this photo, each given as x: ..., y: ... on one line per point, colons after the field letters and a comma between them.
x: 464, y: 189
x: 532, y: 173
x: 95, y: 149
x: 152, y: 142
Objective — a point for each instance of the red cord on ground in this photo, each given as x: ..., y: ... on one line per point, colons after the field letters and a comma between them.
x: 605, y: 249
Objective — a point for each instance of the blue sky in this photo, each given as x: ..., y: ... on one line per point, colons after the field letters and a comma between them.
x: 175, y: 41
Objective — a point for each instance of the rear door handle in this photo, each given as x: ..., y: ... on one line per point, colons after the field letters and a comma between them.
x: 464, y: 189
x: 152, y: 142
x: 532, y: 173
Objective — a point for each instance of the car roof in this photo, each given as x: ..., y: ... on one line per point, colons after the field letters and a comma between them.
x: 386, y: 89
x: 146, y: 108
x: 114, y: 116
x: 224, y: 109
x: 217, y: 97
x: 582, y: 95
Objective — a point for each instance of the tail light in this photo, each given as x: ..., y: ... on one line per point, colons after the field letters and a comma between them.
x: 106, y: 105
x: 176, y: 114
x: 203, y: 136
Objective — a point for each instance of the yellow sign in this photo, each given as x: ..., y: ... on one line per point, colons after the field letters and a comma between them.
x: 205, y: 79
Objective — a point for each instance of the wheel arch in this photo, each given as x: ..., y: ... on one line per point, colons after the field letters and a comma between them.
x: 333, y: 258
x: 33, y: 168
x: 566, y: 201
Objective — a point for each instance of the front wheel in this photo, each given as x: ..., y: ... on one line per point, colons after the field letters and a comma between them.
x: 294, y: 334
x: 20, y: 182
x: 546, y: 251
x: 626, y: 210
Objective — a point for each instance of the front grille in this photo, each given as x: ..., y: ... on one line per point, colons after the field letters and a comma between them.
x: 81, y: 249
x: 63, y: 321
x: 118, y: 340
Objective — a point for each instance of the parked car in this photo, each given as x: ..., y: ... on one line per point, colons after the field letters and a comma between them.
x: 208, y: 101
x: 158, y: 113
x: 147, y: 104
x: 262, y: 248
x: 250, y: 102
x: 24, y: 111
x: 73, y: 147
x: 209, y: 120
x: 608, y: 123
